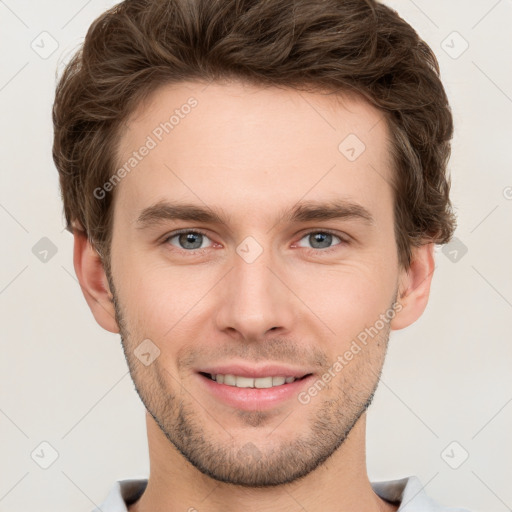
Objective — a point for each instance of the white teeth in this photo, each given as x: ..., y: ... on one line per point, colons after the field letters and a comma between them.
x: 264, y: 382
x: 278, y: 381
x: 230, y: 380
x: 244, y: 382
x: 248, y: 382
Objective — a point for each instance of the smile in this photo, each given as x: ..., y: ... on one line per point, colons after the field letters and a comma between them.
x: 249, y: 382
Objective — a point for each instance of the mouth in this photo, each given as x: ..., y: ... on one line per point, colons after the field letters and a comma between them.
x: 261, y: 389
x: 240, y: 381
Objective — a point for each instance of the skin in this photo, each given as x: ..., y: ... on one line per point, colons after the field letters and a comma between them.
x: 251, y: 152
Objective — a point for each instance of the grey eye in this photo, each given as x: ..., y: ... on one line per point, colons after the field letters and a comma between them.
x: 188, y: 240
x: 320, y: 239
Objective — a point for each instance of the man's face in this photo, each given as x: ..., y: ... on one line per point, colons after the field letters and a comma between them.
x: 260, y: 288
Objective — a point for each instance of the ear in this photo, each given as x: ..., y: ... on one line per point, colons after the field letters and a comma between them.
x: 93, y: 281
x: 414, y: 287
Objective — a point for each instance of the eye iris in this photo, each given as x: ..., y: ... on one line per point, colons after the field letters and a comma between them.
x: 187, y: 238
x: 325, y: 238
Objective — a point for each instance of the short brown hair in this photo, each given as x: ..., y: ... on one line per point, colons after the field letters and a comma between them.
x: 339, y: 46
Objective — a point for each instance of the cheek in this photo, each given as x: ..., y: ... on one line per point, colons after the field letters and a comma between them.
x: 161, y: 299
x: 349, y: 299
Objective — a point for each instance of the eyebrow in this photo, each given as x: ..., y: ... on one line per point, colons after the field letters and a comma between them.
x: 301, y: 212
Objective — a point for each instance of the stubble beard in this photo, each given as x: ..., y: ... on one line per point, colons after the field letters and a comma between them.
x: 242, y: 462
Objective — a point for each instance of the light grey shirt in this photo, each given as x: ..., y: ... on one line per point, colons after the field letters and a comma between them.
x: 407, y: 491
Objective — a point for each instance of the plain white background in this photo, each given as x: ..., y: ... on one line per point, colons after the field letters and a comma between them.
x: 64, y: 380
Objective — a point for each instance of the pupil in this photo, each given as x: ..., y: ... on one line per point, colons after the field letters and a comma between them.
x: 188, y: 238
x: 322, y: 237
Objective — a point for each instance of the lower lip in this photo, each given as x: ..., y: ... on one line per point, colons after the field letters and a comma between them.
x: 251, y: 399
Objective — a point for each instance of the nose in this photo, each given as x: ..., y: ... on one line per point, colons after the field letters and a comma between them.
x: 255, y: 299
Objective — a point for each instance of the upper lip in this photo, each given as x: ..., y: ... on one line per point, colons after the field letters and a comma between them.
x: 268, y: 370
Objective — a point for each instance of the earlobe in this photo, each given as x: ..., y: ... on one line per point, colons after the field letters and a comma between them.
x: 93, y: 281
x: 414, y: 287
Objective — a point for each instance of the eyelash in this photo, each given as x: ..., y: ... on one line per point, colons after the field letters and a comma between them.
x: 344, y: 241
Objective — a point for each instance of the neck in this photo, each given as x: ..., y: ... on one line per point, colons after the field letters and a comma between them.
x: 339, y: 484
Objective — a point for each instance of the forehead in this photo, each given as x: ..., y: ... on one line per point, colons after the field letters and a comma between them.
x: 253, y: 148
